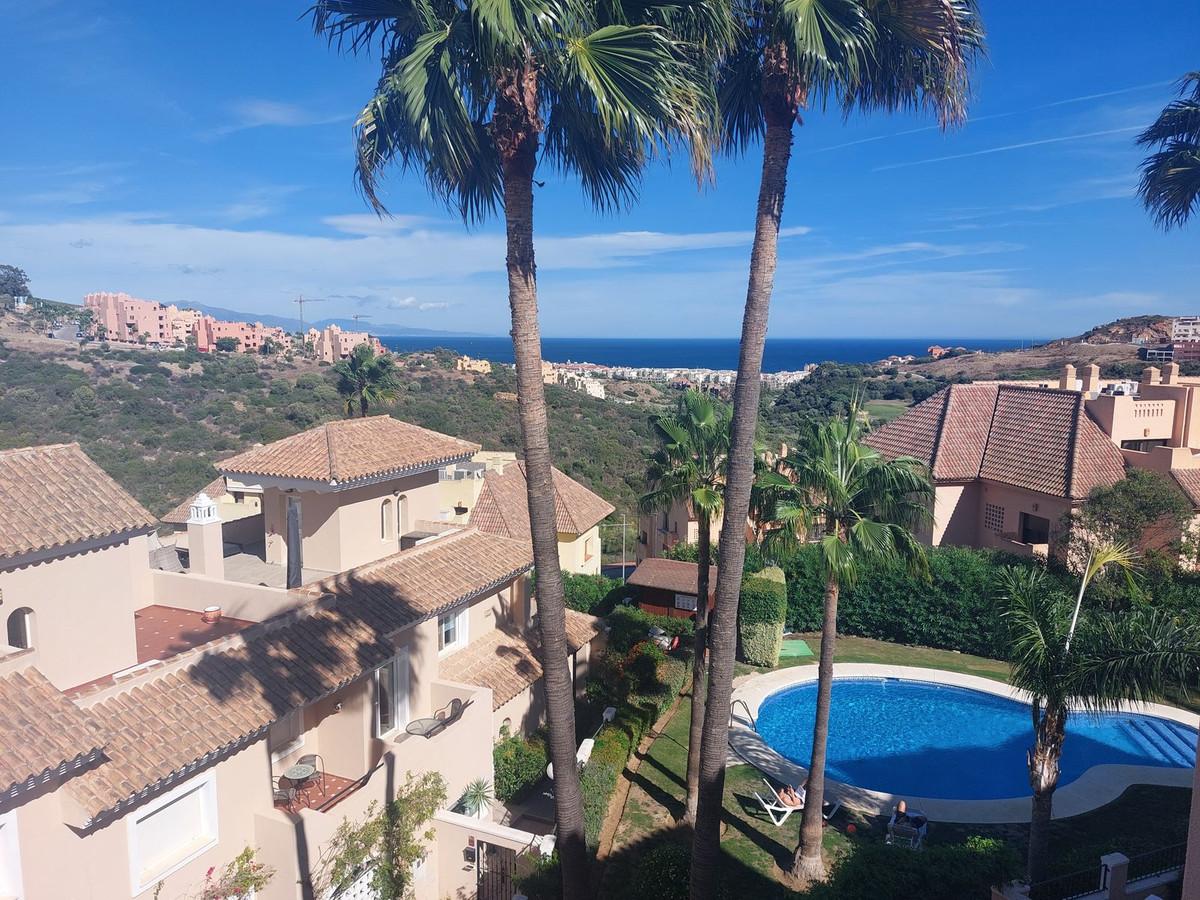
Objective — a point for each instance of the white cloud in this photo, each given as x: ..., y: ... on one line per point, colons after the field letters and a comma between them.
x: 262, y: 113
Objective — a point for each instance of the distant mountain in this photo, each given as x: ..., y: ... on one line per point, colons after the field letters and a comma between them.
x: 380, y: 329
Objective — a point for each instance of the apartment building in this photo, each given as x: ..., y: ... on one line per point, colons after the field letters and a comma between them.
x: 250, y: 336
x: 148, y: 713
x: 120, y: 317
x: 659, y: 531
x: 331, y: 344
x: 503, y: 508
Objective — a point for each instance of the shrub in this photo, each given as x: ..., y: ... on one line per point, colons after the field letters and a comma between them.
x: 629, y: 626
x: 588, y: 593
x: 964, y: 871
x: 642, y: 665
x: 761, y: 613
x: 519, y: 763
x: 663, y: 873
x: 955, y: 610
x: 616, y: 740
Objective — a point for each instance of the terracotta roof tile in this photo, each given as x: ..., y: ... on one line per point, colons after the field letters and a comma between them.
x: 237, y: 687
x: 40, y: 729
x: 1040, y: 439
x: 55, y: 496
x: 670, y: 575
x: 508, y: 663
x: 350, y: 450
x: 179, y: 515
x: 1189, y: 481
x: 503, y: 507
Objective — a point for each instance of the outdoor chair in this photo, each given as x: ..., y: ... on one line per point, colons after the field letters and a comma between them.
x: 285, y: 794
x: 905, y: 834
x: 429, y: 726
x: 315, y: 760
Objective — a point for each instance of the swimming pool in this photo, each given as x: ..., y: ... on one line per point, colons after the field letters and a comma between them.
x: 921, y: 739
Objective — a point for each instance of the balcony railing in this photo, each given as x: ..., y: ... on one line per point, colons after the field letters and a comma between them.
x: 1071, y: 885
x: 1156, y: 862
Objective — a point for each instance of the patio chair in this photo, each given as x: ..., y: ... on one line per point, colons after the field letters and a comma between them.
x: 905, y: 833
x: 285, y: 794
x: 315, y: 760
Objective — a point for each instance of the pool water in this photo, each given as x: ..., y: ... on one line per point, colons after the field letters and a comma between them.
x: 920, y: 739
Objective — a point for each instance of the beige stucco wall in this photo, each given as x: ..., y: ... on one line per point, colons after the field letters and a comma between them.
x: 342, y: 529
x: 56, y: 862
x: 580, y: 553
x: 1127, y: 419
x: 959, y: 515
x: 83, y: 606
x: 679, y: 528
x: 956, y: 516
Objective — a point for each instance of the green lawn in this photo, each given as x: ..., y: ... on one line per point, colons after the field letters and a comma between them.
x: 757, y: 852
x: 865, y: 650
x: 886, y: 410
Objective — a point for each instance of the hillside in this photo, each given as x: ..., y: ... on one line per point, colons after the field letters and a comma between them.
x: 1141, y: 329
x: 157, y: 422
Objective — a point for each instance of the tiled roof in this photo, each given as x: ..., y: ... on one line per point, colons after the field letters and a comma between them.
x: 179, y: 515
x: 1189, y: 481
x: 55, y: 496
x: 432, y: 577
x: 236, y: 688
x: 1040, y: 439
x: 350, y: 450
x: 40, y: 729
x: 503, y: 508
x: 508, y: 663
x: 670, y: 575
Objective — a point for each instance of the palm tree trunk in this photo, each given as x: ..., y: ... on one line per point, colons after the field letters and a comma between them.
x: 518, y: 145
x: 808, y: 865
x: 739, y: 477
x: 1044, y: 762
x: 362, y: 406
x: 699, y: 668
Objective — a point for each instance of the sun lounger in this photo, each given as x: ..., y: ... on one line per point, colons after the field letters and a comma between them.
x: 779, y: 811
x: 906, y: 834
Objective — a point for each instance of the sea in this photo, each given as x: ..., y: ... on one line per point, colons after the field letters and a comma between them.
x: 781, y: 355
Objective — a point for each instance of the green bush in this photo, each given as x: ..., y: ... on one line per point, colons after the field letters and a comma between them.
x: 662, y: 873
x: 955, y: 610
x: 617, y: 740
x: 629, y: 626
x: 589, y: 593
x: 762, y: 611
x: 964, y: 871
x: 519, y: 764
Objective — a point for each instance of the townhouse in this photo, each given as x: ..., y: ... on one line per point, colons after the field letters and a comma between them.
x: 152, y: 697
x: 502, y: 508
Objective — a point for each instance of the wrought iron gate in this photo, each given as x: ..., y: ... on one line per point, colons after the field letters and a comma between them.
x: 494, y: 872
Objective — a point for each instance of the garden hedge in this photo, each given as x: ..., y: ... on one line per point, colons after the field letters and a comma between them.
x: 519, y: 764
x: 762, y: 611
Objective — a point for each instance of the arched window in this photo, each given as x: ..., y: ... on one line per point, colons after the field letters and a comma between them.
x: 387, y: 521
x: 21, y: 628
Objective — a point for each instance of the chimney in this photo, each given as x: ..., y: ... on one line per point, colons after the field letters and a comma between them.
x: 206, y: 547
x: 1091, y: 378
x: 1067, y: 381
x: 1171, y: 373
x: 1150, y: 375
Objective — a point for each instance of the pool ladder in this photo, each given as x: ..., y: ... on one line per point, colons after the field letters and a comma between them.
x: 749, y: 715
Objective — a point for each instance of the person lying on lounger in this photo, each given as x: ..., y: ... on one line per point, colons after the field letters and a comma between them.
x: 792, y: 796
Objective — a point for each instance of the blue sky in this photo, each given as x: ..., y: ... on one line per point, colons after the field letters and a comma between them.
x: 188, y: 152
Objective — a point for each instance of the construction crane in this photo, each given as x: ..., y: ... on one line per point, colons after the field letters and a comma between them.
x: 357, y: 316
x: 301, y: 299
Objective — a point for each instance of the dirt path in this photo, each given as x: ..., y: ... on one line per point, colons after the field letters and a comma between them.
x: 616, y: 808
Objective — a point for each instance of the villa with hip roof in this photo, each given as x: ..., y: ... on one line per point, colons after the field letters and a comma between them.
x: 321, y: 608
x: 1010, y: 463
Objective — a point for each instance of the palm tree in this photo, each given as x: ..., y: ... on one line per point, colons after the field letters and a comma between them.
x: 865, y: 507
x: 1170, y: 184
x: 468, y: 93
x: 1093, y: 660
x: 365, y: 379
x: 690, y: 467
x: 865, y: 54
